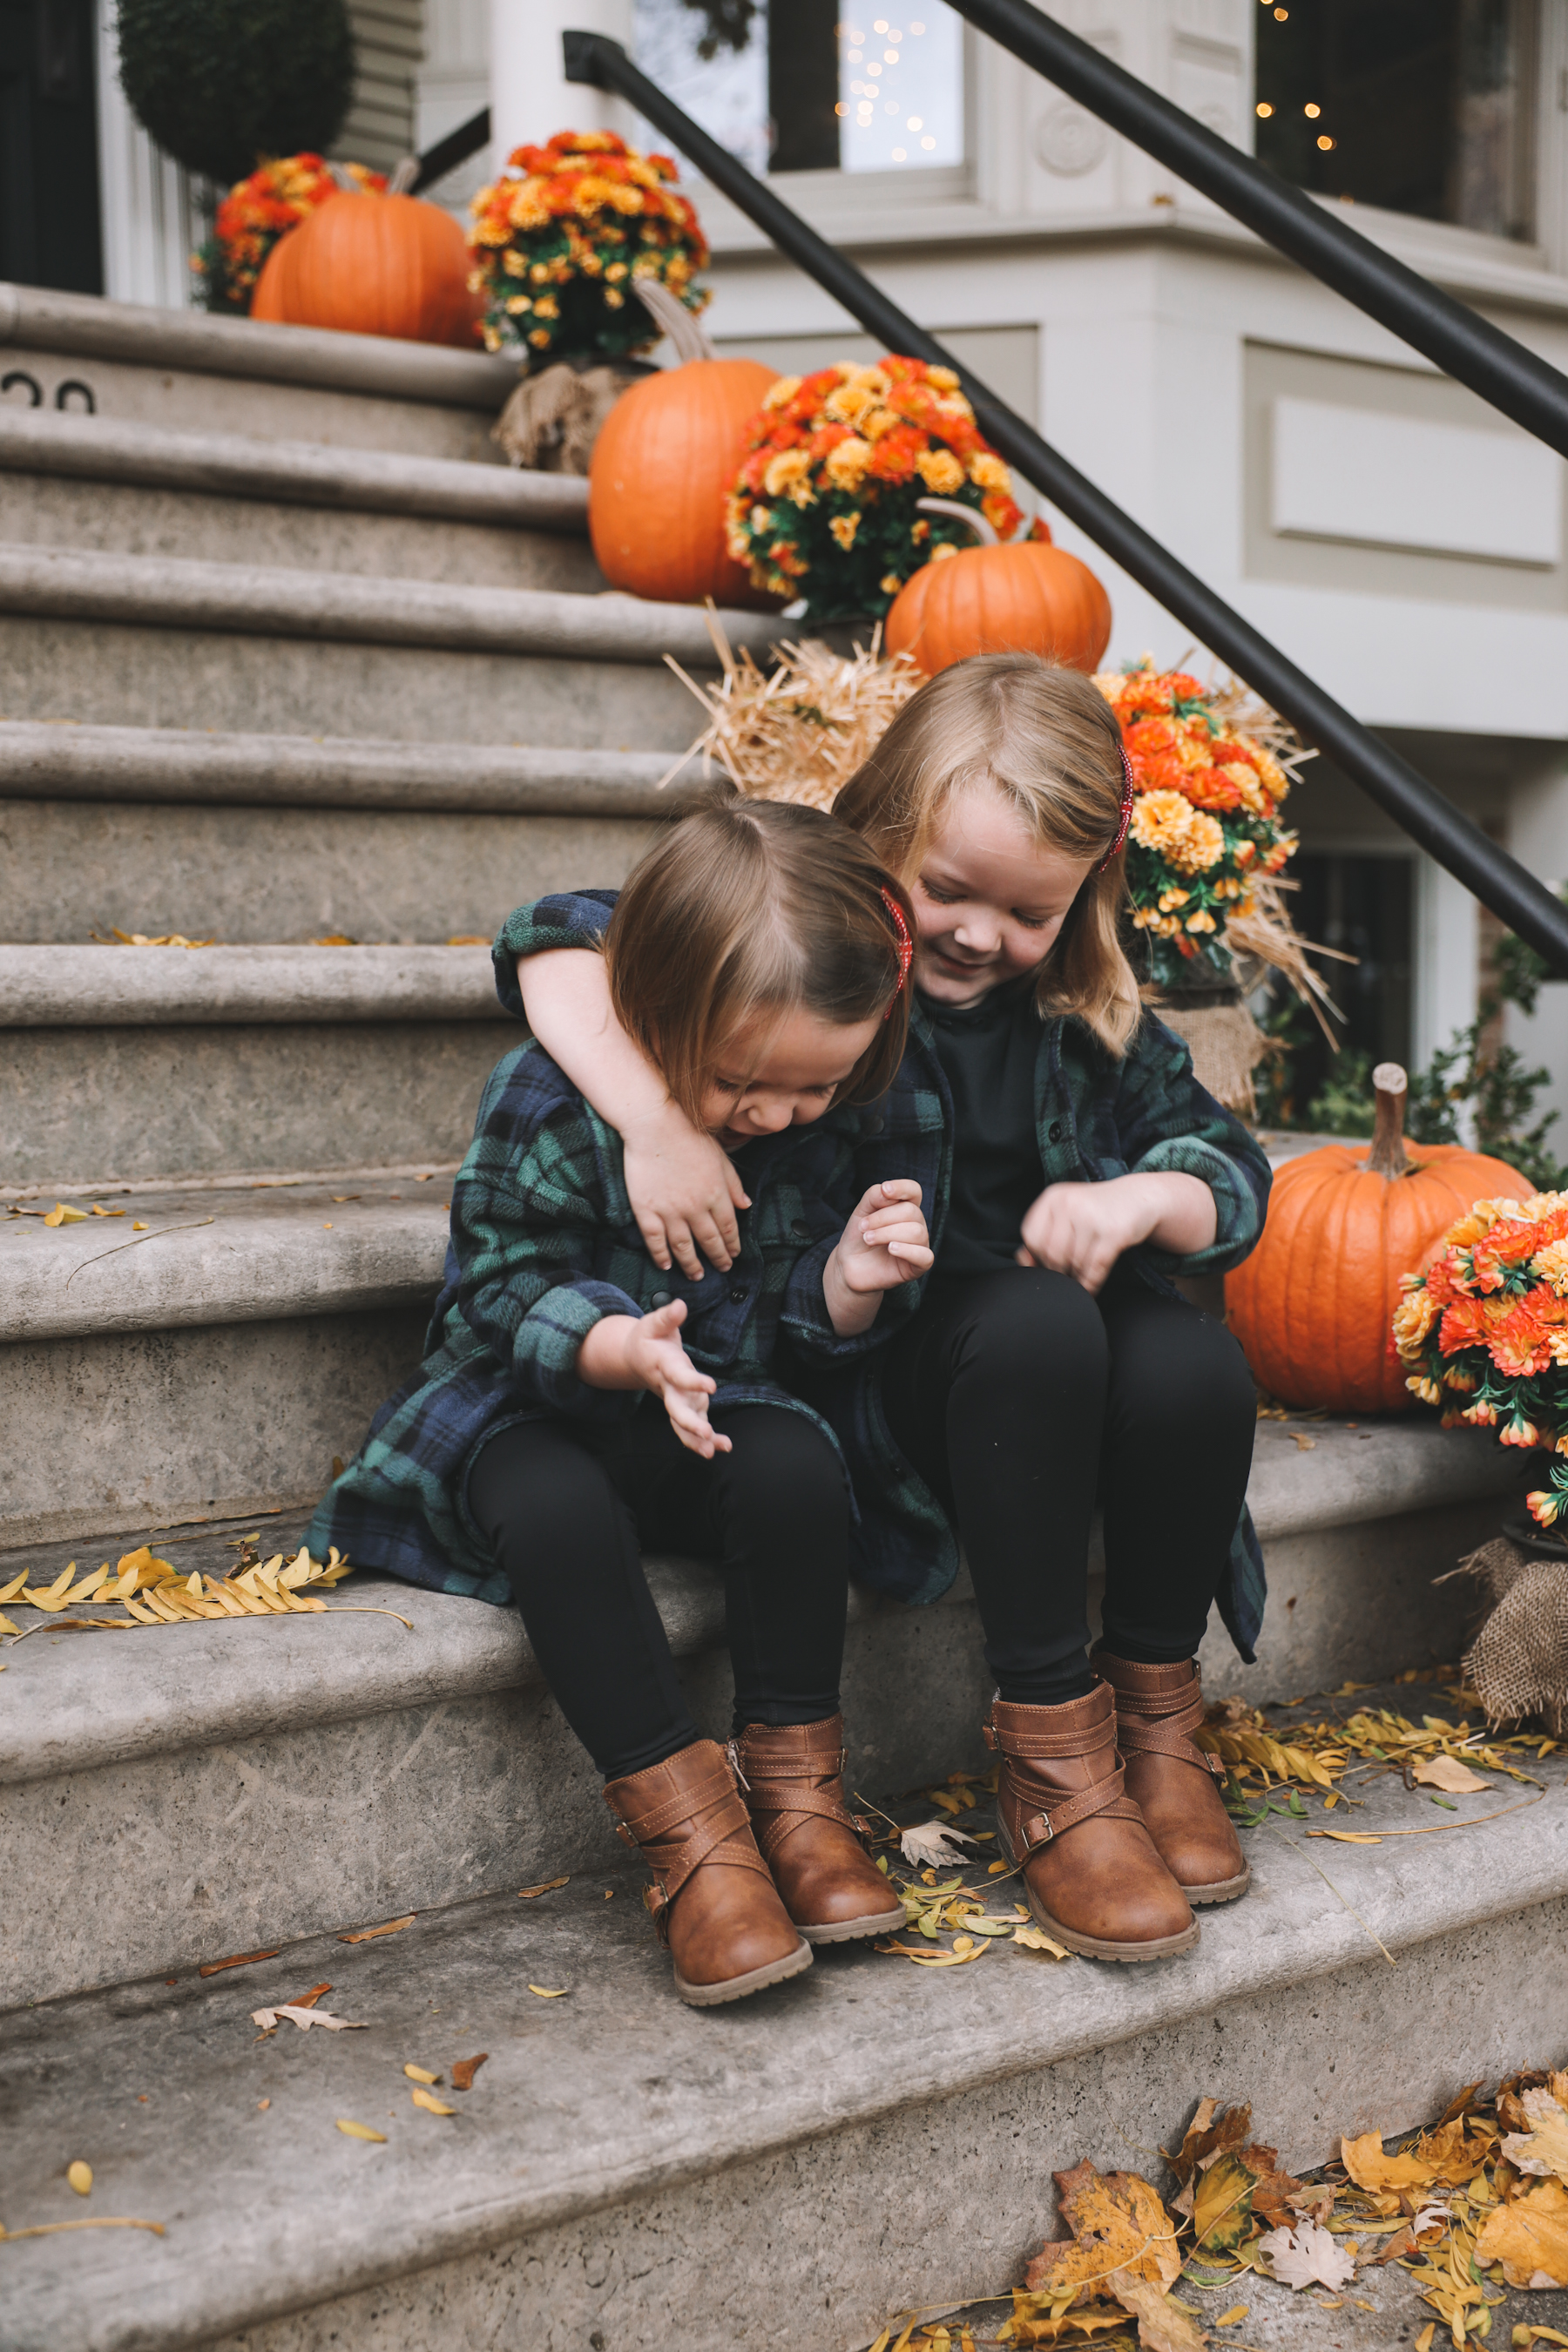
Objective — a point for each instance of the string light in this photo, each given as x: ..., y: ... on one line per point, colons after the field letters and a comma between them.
x: 1264, y: 110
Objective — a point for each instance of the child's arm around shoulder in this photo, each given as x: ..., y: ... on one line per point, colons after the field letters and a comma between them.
x: 683, y: 1187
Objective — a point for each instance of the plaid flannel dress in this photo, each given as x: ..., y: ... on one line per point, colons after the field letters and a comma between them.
x: 1095, y: 1119
x: 543, y: 1243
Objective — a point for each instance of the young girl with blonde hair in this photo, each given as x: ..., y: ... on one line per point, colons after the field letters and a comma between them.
x: 758, y: 958
x: 1073, y: 1165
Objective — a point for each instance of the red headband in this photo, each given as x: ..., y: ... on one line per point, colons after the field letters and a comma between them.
x: 1127, y: 796
x: 906, y: 945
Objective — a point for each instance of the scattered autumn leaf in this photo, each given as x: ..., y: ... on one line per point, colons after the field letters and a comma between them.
x: 358, y: 2131
x: 464, y: 2070
x: 79, y: 2176
x: 235, y: 1960
x: 1164, y: 2326
x: 933, y: 1846
x: 1544, y: 2147
x: 1035, y: 1940
x: 1118, y: 2223
x: 421, y: 2074
x: 1234, y: 2316
x: 544, y: 1992
x: 1222, y: 2206
x: 546, y: 1886
x: 1528, y: 2236
x: 1448, y: 1772
x: 431, y: 2107
x: 1306, y: 2256
x: 387, y: 1927
x: 304, y: 2018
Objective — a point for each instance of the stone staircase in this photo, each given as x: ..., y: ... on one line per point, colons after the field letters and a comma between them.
x: 287, y: 656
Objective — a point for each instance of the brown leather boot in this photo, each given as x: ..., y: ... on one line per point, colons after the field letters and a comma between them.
x: 714, y: 1898
x: 1173, y: 1781
x: 793, y: 1777
x: 1092, y: 1874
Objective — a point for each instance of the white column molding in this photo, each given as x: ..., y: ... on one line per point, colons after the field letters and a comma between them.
x: 530, y: 95
x: 150, y: 223
x: 1447, y: 956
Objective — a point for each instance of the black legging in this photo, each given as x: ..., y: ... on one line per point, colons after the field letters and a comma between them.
x: 569, y: 1508
x: 1020, y: 1397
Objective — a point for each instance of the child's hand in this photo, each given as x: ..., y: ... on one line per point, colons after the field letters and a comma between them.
x: 884, y: 1243
x: 1083, y: 1229
x: 629, y: 1351
x: 684, y: 1192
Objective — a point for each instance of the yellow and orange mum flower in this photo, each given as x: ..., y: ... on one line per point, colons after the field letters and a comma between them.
x: 256, y: 212
x: 583, y: 214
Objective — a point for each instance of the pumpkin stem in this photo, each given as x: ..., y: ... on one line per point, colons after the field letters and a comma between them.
x: 671, y: 317
x: 1388, y: 1157
x: 985, y: 536
x: 405, y: 173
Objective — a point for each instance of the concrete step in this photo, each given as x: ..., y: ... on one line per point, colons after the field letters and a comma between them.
x: 125, y: 1062
x: 269, y: 838
x: 186, y: 370
x: 161, y: 641
x: 220, y: 1362
x: 868, y: 2137
x: 74, y: 481
x: 162, y: 1356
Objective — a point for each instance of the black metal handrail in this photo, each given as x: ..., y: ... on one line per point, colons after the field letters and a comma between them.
x: 1465, y: 345
x: 1515, y: 896
x: 455, y: 149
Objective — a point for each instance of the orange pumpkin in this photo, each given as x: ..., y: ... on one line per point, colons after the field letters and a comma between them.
x: 665, y: 459
x: 1313, y: 1304
x: 1026, y: 597
x: 372, y: 265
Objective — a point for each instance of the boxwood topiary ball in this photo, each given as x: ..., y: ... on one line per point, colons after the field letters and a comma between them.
x: 221, y: 83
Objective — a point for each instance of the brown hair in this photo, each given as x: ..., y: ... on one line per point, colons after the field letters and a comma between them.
x: 749, y: 905
x: 1048, y: 740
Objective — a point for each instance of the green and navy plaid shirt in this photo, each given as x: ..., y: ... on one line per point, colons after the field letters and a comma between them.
x: 1095, y: 1119
x: 543, y: 1243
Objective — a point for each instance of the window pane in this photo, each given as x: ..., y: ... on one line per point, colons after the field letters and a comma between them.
x: 812, y: 89
x: 900, y: 88
x: 1419, y: 106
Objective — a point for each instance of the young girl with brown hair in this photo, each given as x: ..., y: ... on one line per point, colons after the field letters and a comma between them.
x: 757, y: 957
x: 1073, y: 1165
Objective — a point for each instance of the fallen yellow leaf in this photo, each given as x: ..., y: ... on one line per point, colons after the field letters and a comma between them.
x: 12, y: 1590
x: 79, y: 2175
x: 1544, y: 2147
x: 1035, y: 1940
x: 1446, y: 1772
x: 1234, y: 2316
x: 60, y: 1215
x: 420, y: 2074
x: 358, y: 2131
x: 1349, y: 1837
x: 1529, y: 2237
x: 1424, y: 2341
x: 7, y: 1626
x: 545, y: 1994
x: 431, y: 2107
x: 1119, y: 2228
x: 1163, y: 2325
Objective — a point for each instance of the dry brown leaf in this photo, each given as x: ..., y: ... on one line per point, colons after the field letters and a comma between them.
x: 1529, y: 2237
x: 1544, y: 2147
x: 431, y: 2107
x: 358, y: 2131
x: 464, y: 2070
x: 1118, y: 2223
x: 235, y: 1960
x: 546, y: 1886
x: 1446, y: 1772
x: 1212, y: 2132
x: 387, y: 1927
x: 1163, y: 2325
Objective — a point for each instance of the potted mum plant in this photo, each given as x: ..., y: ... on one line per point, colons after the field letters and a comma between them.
x: 829, y: 502
x: 256, y: 212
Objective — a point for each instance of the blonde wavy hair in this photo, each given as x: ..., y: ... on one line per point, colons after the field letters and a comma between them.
x: 1046, y: 739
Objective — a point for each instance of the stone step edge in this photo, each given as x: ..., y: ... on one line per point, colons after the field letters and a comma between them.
x: 95, y: 986
x: 144, y: 335
x: 63, y: 759
x: 722, y: 2105
x: 178, y: 593
x: 103, y: 1188
x: 373, y: 1666
x: 293, y: 473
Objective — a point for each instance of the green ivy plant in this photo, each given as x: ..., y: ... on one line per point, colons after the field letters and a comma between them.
x: 220, y: 84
